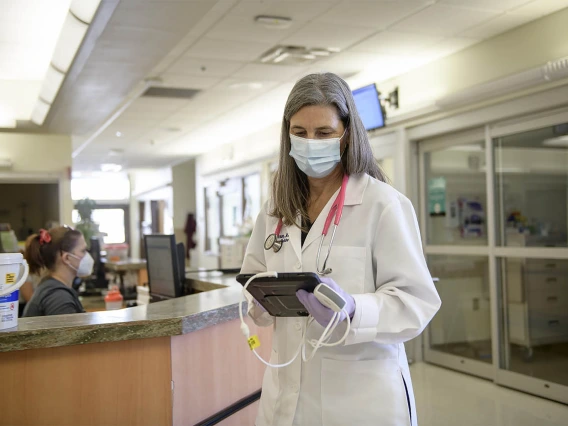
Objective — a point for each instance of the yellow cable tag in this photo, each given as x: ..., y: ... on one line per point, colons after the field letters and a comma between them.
x: 254, y: 342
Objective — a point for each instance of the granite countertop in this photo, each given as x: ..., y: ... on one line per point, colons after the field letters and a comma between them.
x: 217, y: 303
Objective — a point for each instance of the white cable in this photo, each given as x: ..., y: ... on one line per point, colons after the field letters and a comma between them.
x: 321, y: 342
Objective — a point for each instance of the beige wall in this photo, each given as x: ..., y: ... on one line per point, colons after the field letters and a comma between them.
x: 184, y: 196
x: 520, y: 49
x: 40, y: 158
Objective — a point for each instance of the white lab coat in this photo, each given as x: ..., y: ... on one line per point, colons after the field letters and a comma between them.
x: 377, y: 257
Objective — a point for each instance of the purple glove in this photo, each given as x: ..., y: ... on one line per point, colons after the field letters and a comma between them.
x: 322, y: 314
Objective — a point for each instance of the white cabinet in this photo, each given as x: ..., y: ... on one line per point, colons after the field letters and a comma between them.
x: 537, y: 296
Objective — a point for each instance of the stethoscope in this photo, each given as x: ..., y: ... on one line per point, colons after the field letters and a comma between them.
x: 275, y: 243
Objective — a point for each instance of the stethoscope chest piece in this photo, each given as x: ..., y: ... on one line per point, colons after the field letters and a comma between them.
x: 272, y: 242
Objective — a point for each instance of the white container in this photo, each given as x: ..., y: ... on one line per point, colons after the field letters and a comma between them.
x: 13, y: 274
x: 113, y: 306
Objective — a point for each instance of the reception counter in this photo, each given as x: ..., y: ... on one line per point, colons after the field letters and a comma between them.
x: 174, y: 362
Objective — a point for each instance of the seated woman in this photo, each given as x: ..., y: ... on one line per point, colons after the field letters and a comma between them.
x: 60, y: 254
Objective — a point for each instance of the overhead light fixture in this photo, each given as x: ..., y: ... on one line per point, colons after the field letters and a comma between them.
x: 75, y: 26
x: 115, y: 152
x: 118, y: 134
x: 84, y: 10
x: 40, y: 112
x: 252, y: 85
x: 51, y: 84
x: 559, y: 141
x: 111, y: 168
x: 467, y: 148
x: 295, y: 55
x: 68, y: 43
x: 551, y: 71
x: 274, y: 22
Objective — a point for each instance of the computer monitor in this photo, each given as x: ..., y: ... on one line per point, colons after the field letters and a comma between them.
x: 99, y: 275
x: 164, y: 276
x: 369, y: 107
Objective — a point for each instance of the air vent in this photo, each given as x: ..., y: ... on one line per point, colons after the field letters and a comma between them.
x: 170, y: 92
x: 295, y: 55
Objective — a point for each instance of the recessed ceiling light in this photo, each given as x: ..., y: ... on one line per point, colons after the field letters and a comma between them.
x: 172, y: 129
x: 118, y: 134
x: 274, y: 22
x: 115, y: 152
x: 467, y: 148
x: 559, y: 141
x: 251, y: 85
x: 111, y: 167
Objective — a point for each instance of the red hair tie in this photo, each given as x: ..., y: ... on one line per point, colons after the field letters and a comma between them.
x: 44, y: 237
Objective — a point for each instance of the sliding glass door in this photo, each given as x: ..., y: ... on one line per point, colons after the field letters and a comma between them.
x: 494, y: 218
x: 454, y: 226
x: 531, y: 195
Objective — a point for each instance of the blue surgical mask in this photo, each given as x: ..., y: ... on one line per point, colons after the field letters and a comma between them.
x: 316, y: 157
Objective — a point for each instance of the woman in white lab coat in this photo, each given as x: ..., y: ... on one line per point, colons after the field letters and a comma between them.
x: 377, y: 266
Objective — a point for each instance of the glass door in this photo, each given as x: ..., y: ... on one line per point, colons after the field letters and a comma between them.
x: 531, y: 193
x: 454, y: 222
x: 494, y: 220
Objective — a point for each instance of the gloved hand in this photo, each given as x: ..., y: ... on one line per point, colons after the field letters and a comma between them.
x: 322, y: 314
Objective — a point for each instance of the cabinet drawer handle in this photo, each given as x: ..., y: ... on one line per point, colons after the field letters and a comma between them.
x: 551, y: 279
x: 550, y: 265
x: 553, y: 322
x: 552, y: 298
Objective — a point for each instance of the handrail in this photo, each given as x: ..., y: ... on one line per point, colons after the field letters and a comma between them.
x: 230, y: 410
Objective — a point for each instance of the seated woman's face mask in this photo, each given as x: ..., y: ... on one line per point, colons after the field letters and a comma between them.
x: 316, y: 157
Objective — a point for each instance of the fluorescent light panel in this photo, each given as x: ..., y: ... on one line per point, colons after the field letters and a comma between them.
x: 51, y: 84
x: 559, y: 141
x: 69, y: 41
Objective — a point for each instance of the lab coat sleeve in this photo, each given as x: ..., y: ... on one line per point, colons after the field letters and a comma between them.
x: 406, y: 299
x: 253, y: 263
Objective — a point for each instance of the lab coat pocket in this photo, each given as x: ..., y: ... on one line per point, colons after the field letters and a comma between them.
x: 363, y: 393
x: 348, y: 268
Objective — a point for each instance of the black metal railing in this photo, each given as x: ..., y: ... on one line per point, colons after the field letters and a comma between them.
x: 230, y: 410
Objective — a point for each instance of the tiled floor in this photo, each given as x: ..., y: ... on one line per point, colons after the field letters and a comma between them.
x: 448, y: 398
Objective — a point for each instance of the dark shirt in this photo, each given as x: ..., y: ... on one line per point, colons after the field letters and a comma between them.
x: 52, y: 297
x: 308, y: 225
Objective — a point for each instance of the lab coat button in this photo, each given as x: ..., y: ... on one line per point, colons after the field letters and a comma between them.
x: 299, y: 265
x: 296, y: 389
x: 298, y: 326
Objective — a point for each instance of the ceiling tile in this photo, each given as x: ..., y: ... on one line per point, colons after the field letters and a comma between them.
x: 538, y: 8
x: 444, y: 20
x: 204, y: 67
x: 498, y: 5
x: 188, y: 81
x: 240, y: 28
x: 157, y: 104
x: 447, y: 47
x: 297, y: 10
x: 328, y: 36
x: 254, y: 72
x: 396, y: 43
x: 499, y: 25
x: 345, y: 64
x: 375, y: 14
x: 227, y: 50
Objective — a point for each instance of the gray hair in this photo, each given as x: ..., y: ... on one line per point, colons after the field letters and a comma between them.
x: 290, y: 189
